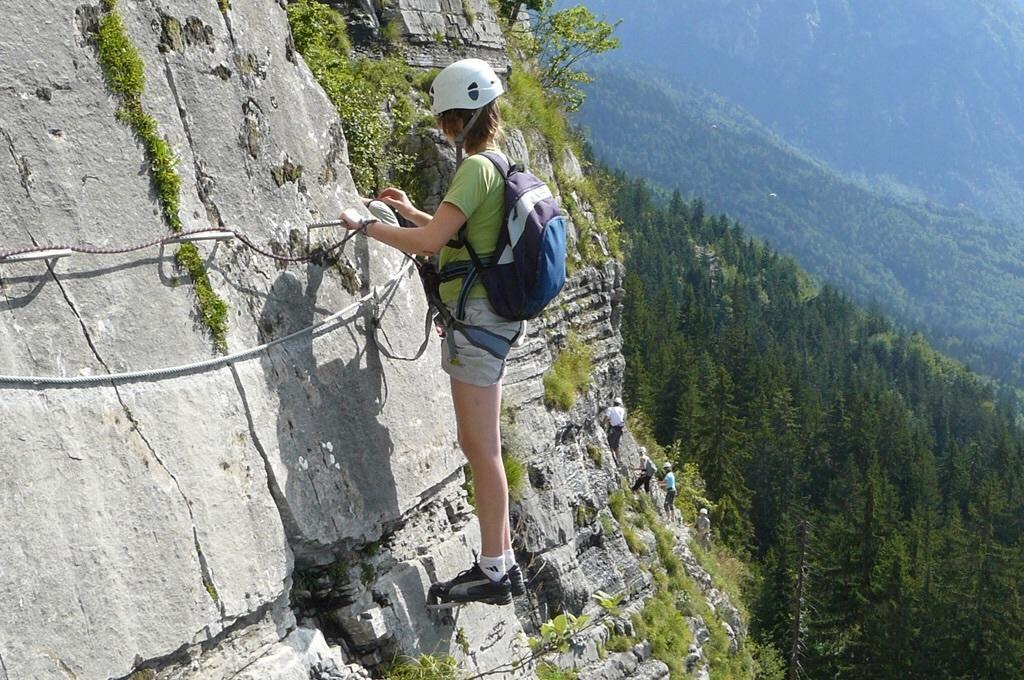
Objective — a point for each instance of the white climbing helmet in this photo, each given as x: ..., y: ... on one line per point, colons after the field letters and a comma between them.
x: 617, y: 401
x: 465, y: 84
x: 643, y: 450
x: 703, y: 511
x: 667, y: 466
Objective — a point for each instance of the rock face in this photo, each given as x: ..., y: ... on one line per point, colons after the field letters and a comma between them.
x: 280, y: 515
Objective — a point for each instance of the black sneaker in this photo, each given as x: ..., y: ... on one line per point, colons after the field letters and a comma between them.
x: 515, y: 578
x: 472, y: 585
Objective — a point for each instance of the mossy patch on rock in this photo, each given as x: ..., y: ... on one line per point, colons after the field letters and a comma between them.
x: 124, y: 73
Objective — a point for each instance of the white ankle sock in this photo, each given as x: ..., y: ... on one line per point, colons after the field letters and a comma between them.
x: 494, y: 567
x: 510, y: 558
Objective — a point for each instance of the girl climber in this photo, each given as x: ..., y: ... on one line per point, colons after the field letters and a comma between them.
x: 463, y: 100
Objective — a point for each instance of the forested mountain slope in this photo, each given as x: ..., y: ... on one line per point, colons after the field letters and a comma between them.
x: 808, y: 414
x: 947, y: 270
x: 926, y: 94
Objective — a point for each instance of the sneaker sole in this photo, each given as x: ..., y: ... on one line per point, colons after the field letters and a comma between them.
x: 452, y: 604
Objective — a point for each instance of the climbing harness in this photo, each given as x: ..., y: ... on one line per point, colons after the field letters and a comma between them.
x: 380, y: 297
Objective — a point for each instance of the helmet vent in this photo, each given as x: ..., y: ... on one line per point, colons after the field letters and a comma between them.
x: 473, y: 90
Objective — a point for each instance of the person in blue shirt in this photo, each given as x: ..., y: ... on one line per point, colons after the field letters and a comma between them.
x: 669, y: 482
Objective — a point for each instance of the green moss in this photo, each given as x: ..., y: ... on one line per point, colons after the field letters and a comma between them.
x: 143, y: 674
x: 426, y: 667
x: 677, y: 595
x: 124, y: 73
x: 224, y: 5
x: 122, y: 66
x: 595, y: 454
x: 213, y: 310
x: 211, y: 590
x: 569, y: 375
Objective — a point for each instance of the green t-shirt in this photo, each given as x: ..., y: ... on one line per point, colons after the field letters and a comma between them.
x: 478, y: 190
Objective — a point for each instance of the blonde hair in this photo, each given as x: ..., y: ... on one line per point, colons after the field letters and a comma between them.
x: 486, y: 128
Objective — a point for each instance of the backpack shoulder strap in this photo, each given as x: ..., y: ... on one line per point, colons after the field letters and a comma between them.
x: 499, y: 161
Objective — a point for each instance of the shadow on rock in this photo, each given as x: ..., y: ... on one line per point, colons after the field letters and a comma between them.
x: 340, y: 487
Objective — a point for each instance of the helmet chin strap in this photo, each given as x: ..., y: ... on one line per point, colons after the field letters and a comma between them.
x: 460, y: 138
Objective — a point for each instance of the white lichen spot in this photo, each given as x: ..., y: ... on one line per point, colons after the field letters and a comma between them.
x: 330, y: 459
x: 303, y: 463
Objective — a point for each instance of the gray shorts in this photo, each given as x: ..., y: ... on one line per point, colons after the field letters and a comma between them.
x: 471, y: 364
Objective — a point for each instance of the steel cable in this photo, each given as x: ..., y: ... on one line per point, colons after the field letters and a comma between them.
x: 329, y: 323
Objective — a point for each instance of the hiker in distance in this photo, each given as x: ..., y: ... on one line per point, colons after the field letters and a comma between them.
x: 647, y: 470
x: 704, y: 529
x: 463, y: 101
x: 614, y: 418
x: 669, y: 481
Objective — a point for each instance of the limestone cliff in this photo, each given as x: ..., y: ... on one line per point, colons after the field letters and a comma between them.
x: 280, y: 515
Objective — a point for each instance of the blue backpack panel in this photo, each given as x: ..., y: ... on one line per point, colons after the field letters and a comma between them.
x: 527, y: 269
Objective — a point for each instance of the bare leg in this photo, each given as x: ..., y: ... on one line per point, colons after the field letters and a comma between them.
x: 477, y: 410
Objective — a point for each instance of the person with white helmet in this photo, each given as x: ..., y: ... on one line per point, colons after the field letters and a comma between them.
x: 615, y: 418
x: 669, y: 482
x: 704, y: 529
x: 647, y: 471
x: 463, y: 100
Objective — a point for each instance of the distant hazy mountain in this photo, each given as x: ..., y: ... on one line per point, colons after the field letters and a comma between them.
x: 923, y: 93
x: 946, y: 269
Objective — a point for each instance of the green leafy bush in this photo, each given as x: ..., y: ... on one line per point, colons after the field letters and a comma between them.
x: 361, y: 90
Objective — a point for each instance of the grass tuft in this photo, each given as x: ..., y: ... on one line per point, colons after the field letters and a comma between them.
x: 569, y: 375
x: 426, y: 667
